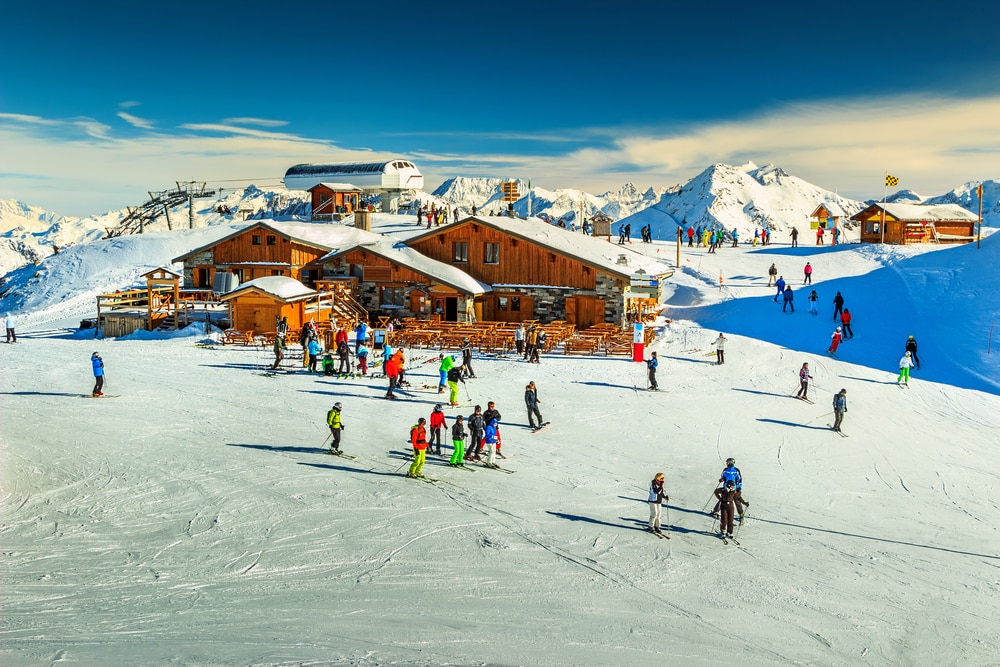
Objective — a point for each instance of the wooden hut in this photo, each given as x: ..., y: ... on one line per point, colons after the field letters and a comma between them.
x: 916, y: 223
x: 827, y: 215
x: 333, y: 201
x: 257, y: 306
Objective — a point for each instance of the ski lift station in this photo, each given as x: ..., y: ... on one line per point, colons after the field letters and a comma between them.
x: 384, y: 178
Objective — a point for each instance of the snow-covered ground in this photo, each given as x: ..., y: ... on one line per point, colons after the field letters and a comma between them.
x: 196, y: 519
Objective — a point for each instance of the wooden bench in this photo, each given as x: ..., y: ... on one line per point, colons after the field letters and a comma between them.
x: 234, y: 337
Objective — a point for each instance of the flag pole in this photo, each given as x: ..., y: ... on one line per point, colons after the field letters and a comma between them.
x: 885, y: 195
x: 979, y: 233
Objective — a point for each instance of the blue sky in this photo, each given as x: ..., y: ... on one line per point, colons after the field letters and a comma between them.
x: 100, y: 103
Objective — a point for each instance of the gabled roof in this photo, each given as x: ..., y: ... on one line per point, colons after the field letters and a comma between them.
x: 322, y: 236
x: 161, y: 269
x: 831, y: 207
x: 336, y: 187
x: 595, y: 252
x: 281, y: 287
x: 921, y: 212
x: 402, y: 255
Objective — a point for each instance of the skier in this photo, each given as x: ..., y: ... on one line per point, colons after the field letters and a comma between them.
x: 772, y: 274
x: 911, y: 347
x: 765, y: 236
x: 454, y: 377
x: 656, y: 499
x: 476, y: 427
x: 690, y: 235
x: 491, y: 438
x: 795, y: 237
x: 10, y: 322
x: 336, y: 426
x: 519, y: 338
x: 457, y: 441
x: 789, y: 299
x: 651, y: 364
x: 344, y: 354
x: 838, y: 306
x: 530, y: 341
x: 839, y: 408
x: 726, y: 495
x: 467, y: 359
x: 804, y: 378
x: 531, y: 402
x: 539, y: 346
x: 447, y: 362
x: 314, y: 349
x: 491, y: 414
x: 360, y: 336
x: 905, y: 363
x: 401, y: 365
x: 438, y: 423
x: 732, y: 474
x: 813, y: 298
x: 819, y: 236
x: 341, y: 337
x: 736, y: 238
x: 756, y: 238
x: 279, y: 351
x: 845, y: 321
x: 781, y: 287
x: 418, y: 440
x: 392, y: 372
x: 835, y: 342
x: 808, y: 271
x: 98, y: 364
x: 328, y: 365
x: 720, y: 350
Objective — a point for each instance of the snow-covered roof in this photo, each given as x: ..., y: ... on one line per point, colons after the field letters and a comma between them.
x: 283, y: 287
x: 926, y: 212
x: 587, y: 249
x: 337, y: 187
x: 832, y: 208
x: 322, y: 235
x: 415, y: 261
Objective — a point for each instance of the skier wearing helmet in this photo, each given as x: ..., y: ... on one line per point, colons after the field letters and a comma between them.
x: 336, y: 426
x: 911, y: 347
x: 732, y: 474
x: 835, y: 342
x: 467, y: 371
x: 905, y: 363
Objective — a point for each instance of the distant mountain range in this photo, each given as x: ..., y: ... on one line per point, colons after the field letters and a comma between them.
x: 736, y: 197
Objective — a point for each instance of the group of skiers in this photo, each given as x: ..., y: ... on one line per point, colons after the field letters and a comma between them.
x: 529, y: 342
x: 728, y: 494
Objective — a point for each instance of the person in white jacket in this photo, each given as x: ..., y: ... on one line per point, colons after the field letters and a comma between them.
x: 720, y: 349
x: 905, y: 364
x: 10, y: 322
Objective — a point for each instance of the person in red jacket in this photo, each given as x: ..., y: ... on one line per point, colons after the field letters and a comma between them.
x: 418, y: 439
x: 835, y: 342
x: 392, y: 372
x: 437, y: 425
x: 845, y: 321
x: 341, y: 336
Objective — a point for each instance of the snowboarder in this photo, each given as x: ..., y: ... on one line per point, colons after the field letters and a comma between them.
x: 98, y: 364
x: 789, y: 299
x: 808, y: 271
x: 835, y: 342
x: 467, y: 359
x: 438, y: 424
x: 845, y: 322
x: 905, y: 363
x: 795, y: 237
x: 651, y: 364
x: 804, y: 378
x: 491, y: 439
x: 838, y: 306
x: 813, y: 298
x: 911, y: 347
x: 656, y: 499
x: 336, y: 426
x: 781, y: 288
x: 772, y: 275
x: 839, y: 408
x: 447, y: 362
x: 457, y: 441
x: 720, y: 350
x: 454, y: 377
x: 10, y: 322
x: 726, y: 495
x: 477, y: 424
x: 418, y: 440
x: 531, y: 402
x: 279, y: 351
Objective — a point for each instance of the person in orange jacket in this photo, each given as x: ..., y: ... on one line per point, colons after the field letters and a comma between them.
x: 392, y: 372
x: 418, y: 439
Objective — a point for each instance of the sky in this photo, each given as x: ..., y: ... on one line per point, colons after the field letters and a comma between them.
x: 100, y: 104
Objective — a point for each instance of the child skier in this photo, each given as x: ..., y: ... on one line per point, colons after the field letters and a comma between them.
x: 834, y: 342
x: 651, y: 364
x: 905, y: 364
x: 98, y: 364
x: 363, y: 361
x: 458, y: 441
x: 336, y: 426
x: 328, y: 365
x: 813, y: 298
x: 726, y: 495
x: 491, y: 439
x: 438, y: 424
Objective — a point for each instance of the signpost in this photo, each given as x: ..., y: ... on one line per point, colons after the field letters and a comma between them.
x: 638, y: 341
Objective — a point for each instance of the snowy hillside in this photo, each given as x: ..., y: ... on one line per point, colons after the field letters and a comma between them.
x: 196, y: 518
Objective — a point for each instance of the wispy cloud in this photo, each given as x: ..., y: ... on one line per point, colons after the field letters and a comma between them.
x: 263, y: 122
x: 135, y: 121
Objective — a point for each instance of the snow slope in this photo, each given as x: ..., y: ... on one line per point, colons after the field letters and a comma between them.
x: 196, y: 520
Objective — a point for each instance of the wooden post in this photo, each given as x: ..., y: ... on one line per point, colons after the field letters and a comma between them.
x: 678, y: 248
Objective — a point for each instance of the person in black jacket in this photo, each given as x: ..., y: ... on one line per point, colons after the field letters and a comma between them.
x: 467, y: 359
x: 531, y: 402
x: 477, y: 428
x: 911, y: 347
x: 458, y: 441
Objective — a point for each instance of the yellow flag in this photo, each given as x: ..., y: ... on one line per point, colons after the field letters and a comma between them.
x: 891, y: 181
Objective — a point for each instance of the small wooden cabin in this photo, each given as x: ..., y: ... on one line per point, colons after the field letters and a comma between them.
x: 333, y: 201
x: 258, y: 305
x: 916, y: 223
x: 827, y: 215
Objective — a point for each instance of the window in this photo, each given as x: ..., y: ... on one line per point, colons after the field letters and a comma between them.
x: 492, y: 253
x: 515, y: 304
x: 501, y: 303
x: 461, y: 252
x: 393, y: 296
x: 277, y: 272
x: 256, y: 239
x: 272, y: 240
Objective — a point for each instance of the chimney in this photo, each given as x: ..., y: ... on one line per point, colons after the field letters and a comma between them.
x: 622, y: 259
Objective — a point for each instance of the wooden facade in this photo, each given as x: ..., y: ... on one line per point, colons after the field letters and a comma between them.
x: 257, y: 311
x: 332, y: 201
x: 911, y: 227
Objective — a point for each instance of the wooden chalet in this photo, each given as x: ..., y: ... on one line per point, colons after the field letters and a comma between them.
x: 916, y: 223
x: 827, y: 215
x: 258, y: 305
x: 539, y: 271
x: 333, y: 201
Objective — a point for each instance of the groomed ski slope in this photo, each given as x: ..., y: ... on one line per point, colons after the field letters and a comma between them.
x: 195, y: 519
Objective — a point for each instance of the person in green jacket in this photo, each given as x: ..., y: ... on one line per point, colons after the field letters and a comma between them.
x: 336, y: 426
x: 447, y: 363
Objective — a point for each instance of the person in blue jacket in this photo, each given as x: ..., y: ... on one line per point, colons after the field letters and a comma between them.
x: 651, y: 364
x: 314, y: 350
x: 361, y: 336
x: 781, y: 287
x: 839, y: 408
x: 491, y: 438
x: 98, y: 363
x: 732, y: 474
